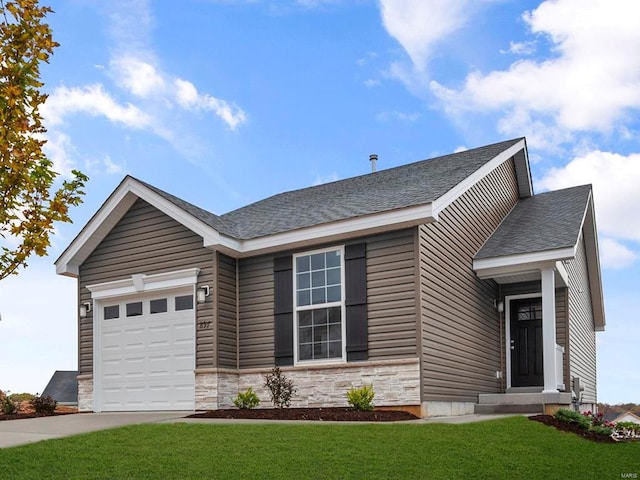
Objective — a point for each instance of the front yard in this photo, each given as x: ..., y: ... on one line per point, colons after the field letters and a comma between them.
x: 509, y: 448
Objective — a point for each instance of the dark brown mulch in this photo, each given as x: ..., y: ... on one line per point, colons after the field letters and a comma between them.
x: 20, y: 416
x: 322, y: 414
x: 570, y: 427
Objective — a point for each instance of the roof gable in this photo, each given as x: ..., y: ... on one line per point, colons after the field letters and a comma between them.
x: 389, y: 199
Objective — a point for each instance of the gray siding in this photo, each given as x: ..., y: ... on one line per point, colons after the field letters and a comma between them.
x: 227, y: 311
x: 562, y: 294
x: 391, y: 303
x: 461, y: 344
x: 582, y: 335
x: 256, y: 312
x: 391, y: 295
x: 145, y: 241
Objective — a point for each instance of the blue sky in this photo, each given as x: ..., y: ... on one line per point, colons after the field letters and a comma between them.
x: 225, y: 102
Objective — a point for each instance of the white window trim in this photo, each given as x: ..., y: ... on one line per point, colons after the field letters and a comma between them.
x: 341, y: 304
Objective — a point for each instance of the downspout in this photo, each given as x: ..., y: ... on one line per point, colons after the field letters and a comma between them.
x: 503, y: 342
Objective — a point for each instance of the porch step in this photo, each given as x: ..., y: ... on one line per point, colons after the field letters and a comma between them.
x: 485, y: 408
x: 525, y: 398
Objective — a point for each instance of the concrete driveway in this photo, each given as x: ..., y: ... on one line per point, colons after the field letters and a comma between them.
x: 19, y: 432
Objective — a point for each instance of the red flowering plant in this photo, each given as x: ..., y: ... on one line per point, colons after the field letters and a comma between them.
x: 597, y: 419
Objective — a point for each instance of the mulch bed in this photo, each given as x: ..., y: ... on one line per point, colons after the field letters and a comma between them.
x: 570, y: 427
x: 20, y: 416
x: 319, y: 414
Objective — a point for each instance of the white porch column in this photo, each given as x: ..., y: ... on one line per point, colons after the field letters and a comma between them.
x: 549, y: 330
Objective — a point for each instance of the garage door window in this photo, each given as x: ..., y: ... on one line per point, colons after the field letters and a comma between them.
x: 184, y: 302
x: 158, y: 306
x: 112, y: 312
x: 134, y: 309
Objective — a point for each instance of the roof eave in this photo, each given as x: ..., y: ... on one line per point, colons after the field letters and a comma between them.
x: 110, y: 213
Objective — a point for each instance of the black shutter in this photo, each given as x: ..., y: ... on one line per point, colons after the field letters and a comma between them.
x: 355, y: 266
x: 283, y: 310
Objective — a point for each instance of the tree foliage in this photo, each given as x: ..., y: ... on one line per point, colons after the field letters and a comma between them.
x: 31, y: 197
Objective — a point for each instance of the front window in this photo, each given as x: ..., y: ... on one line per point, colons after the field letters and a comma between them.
x: 319, y: 301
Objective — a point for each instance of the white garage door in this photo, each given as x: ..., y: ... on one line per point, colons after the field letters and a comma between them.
x: 147, y: 352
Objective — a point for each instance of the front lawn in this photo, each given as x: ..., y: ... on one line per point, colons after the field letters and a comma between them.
x: 509, y: 448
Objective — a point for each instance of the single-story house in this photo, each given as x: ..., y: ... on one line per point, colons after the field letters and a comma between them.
x: 445, y: 283
x: 616, y: 417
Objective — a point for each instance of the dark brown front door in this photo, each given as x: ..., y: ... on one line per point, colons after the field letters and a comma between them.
x: 526, y: 342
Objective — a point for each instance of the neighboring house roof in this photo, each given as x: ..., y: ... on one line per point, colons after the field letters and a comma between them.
x: 63, y: 387
x: 544, y: 222
x: 625, y: 417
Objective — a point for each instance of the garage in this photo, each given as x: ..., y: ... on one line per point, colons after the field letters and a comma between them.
x: 145, y: 352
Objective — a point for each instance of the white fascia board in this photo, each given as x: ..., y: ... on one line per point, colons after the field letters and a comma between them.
x: 445, y: 200
x: 112, y: 211
x: 144, y: 283
x: 499, y: 266
x: 379, y: 222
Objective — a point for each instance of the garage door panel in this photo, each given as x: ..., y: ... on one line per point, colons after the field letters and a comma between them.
x: 148, y: 360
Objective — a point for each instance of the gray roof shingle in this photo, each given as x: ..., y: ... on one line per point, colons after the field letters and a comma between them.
x: 386, y: 190
x: 547, y: 221
x: 63, y: 386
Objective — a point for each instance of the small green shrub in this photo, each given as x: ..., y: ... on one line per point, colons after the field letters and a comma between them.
x: 361, y: 398
x: 247, y: 400
x: 570, y: 416
x: 44, y: 404
x: 634, y: 427
x: 7, y: 405
x: 22, y: 397
x: 281, y: 388
x: 602, y: 430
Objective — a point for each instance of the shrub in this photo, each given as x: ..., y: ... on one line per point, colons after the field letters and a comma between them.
x: 22, y: 397
x: 247, y: 400
x: 281, y: 388
x: 361, y: 398
x: 44, y: 404
x: 7, y: 405
x: 602, y: 430
x: 570, y: 416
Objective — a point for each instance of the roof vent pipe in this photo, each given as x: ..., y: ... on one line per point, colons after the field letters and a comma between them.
x: 373, y: 158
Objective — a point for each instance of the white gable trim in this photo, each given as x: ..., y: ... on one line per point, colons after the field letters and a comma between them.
x: 448, y: 198
x: 488, y: 267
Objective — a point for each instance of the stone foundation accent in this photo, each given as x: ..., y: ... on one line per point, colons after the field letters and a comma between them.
x: 395, y: 382
x: 447, y: 409
x: 85, y: 393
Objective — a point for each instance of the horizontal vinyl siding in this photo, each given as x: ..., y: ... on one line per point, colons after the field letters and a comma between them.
x: 582, y: 335
x: 227, y: 312
x: 256, y: 312
x: 461, y: 345
x: 145, y: 241
x: 391, y: 295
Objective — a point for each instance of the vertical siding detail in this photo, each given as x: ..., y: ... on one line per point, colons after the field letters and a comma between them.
x: 146, y: 241
x: 391, y: 296
x: 226, y: 312
x: 582, y: 335
x: 460, y: 327
x: 256, y: 304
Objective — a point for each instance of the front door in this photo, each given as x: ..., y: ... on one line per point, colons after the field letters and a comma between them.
x: 526, y: 342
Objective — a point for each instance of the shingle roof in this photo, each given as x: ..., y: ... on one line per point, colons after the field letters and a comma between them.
x: 63, y: 386
x: 547, y: 221
x: 405, y: 186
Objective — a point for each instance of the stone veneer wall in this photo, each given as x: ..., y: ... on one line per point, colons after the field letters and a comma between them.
x: 395, y: 382
x: 85, y: 393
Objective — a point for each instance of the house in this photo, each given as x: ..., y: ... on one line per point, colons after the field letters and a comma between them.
x: 615, y: 417
x: 63, y: 387
x: 446, y: 283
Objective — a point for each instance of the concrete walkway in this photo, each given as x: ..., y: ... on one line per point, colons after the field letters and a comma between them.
x: 19, y: 432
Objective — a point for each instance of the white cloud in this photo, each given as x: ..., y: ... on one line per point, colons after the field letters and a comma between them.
x: 188, y: 97
x: 615, y: 179
x: 93, y: 100
x: 320, y: 179
x: 371, y: 82
x: 396, y: 115
x: 615, y: 255
x: 58, y: 149
x: 140, y: 78
x: 590, y: 83
x: 111, y: 167
x: 418, y: 25
x: 521, y: 48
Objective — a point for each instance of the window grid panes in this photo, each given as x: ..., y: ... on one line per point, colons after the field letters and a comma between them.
x: 158, y: 306
x: 112, y: 312
x: 319, y: 305
x: 184, y: 302
x: 134, y: 309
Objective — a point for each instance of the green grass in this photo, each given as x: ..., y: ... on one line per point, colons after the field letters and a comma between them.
x: 508, y: 448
